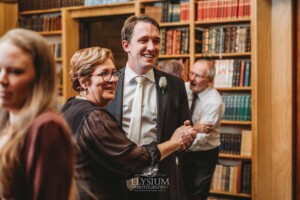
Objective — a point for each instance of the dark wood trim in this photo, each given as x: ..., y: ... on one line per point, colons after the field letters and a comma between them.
x: 296, y: 114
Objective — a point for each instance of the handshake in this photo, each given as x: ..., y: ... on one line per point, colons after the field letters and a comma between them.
x: 186, y: 134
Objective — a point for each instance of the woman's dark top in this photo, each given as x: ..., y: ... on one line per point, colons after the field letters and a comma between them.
x: 105, y: 156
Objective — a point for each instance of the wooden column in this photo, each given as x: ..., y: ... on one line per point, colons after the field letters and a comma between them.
x: 297, y: 136
x: 274, y: 99
x: 8, y: 15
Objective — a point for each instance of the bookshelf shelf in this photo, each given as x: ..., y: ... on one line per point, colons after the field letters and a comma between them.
x: 58, y: 60
x: 231, y: 194
x: 225, y: 21
x: 34, y: 12
x: 232, y: 156
x: 173, y: 24
x: 175, y: 56
x: 236, y: 122
x: 223, y: 55
x: 235, y: 89
x: 150, y: 1
x: 49, y: 33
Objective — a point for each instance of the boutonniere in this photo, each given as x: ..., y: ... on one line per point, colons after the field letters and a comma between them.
x: 163, y: 84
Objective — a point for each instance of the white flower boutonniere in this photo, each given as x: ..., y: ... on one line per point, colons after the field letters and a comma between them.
x: 163, y: 84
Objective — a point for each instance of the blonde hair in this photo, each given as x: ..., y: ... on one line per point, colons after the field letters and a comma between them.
x: 42, y: 97
x: 173, y: 67
x: 84, y: 62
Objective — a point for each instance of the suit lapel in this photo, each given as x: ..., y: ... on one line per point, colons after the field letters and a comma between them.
x: 162, y: 100
x: 119, y: 97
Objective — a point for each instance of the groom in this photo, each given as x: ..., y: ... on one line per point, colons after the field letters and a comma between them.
x: 164, y: 100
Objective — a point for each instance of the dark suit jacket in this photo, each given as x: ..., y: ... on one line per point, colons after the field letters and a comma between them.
x: 172, y: 111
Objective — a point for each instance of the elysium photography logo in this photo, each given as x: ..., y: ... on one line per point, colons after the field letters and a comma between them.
x: 150, y: 180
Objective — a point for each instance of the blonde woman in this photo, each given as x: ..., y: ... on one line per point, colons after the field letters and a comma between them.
x: 36, y: 153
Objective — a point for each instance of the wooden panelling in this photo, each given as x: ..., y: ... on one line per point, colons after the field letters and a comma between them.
x: 297, y: 149
x: 274, y: 100
x: 8, y: 16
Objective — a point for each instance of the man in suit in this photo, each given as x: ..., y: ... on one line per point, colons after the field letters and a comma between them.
x: 164, y: 102
x: 207, y: 108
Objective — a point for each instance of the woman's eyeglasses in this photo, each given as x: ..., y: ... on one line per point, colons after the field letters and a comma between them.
x: 106, y: 76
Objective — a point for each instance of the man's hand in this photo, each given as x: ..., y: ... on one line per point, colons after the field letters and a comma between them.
x: 203, y: 127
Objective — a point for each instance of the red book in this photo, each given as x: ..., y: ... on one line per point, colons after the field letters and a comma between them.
x: 241, y: 9
x: 247, y: 8
x: 235, y: 9
x: 200, y: 11
x: 215, y: 10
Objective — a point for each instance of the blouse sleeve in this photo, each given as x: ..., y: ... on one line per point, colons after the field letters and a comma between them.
x: 49, y: 161
x: 101, y: 135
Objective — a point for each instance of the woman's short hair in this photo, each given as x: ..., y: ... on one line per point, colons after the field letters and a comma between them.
x: 129, y: 24
x: 84, y: 62
x: 173, y: 67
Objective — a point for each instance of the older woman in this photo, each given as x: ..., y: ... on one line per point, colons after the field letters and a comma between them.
x: 106, y: 157
x: 36, y: 152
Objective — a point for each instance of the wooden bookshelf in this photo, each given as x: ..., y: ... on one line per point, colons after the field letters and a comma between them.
x: 52, y: 35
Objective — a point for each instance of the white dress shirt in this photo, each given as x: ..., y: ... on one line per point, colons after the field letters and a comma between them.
x: 149, y: 105
x: 209, y: 108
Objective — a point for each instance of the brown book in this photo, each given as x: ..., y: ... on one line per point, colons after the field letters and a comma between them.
x: 246, y: 143
x: 155, y: 12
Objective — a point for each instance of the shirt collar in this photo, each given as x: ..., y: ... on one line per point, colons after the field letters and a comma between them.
x: 203, y: 93
x: 130, y: 74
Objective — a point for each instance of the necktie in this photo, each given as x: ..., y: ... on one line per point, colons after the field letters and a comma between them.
x: 136, y: 112
x: 195, y: 97
x: 135, y: 122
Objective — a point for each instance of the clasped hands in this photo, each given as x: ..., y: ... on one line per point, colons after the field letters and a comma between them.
x: 184, y: 135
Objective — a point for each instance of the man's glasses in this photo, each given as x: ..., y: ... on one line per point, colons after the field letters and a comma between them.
x: 197, y: 76
x: 106, y: 76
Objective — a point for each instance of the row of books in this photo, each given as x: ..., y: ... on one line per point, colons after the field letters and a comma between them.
x: 174, y: 41
x: 169, y: 12
x: 237, y: 106
x: 232, y: 73
x: 25, y: 5
x: 208, y: 10
x: 236, y: 143
x: 232, y: 176
x: 97, y: 2
x: 56, y: 49
x: 223, y: 39
x: 45, y: 23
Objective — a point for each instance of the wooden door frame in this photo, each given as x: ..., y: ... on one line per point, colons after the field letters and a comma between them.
x: 296, y: 122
